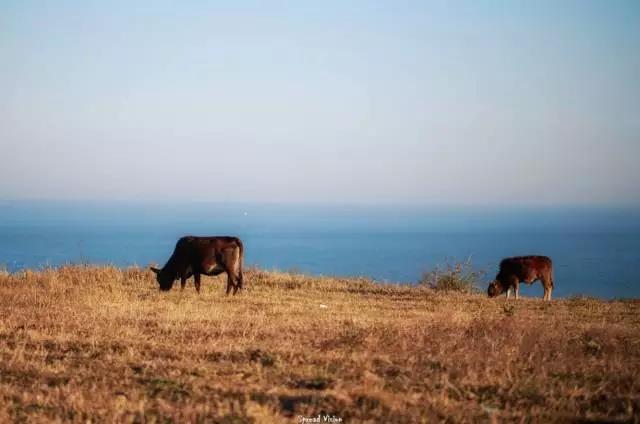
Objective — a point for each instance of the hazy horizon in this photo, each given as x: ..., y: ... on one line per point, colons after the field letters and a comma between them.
x: 206, y: 216
x: 469, y: 103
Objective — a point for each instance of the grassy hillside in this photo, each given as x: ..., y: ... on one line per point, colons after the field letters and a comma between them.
x: 103, y: 344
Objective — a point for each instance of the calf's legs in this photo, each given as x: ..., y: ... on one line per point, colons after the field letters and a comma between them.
x: 547, y: 283
x: 548, y: 288
x: 515, y: 283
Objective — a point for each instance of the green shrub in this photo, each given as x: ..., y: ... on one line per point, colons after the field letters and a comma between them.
x: 460, y: 277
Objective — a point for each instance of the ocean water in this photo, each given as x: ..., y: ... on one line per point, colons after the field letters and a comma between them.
x: 596, y: 251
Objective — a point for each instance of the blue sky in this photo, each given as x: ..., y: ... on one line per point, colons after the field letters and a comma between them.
x: 470, y: 103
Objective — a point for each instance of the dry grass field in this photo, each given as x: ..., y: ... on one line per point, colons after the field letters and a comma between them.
x: 100, y: 344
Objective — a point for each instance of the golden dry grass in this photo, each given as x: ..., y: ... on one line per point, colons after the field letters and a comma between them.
x: 103, y: 344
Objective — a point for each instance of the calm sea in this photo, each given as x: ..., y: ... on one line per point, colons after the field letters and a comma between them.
x: 596, y: 252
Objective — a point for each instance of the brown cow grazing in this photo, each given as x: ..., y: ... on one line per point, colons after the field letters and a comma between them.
x: 203, y: 255
x: 525, y: 269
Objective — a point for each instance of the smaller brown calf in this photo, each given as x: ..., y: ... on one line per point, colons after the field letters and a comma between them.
x: 526, y: 269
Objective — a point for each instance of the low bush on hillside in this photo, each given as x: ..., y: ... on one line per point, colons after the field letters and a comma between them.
x: 458, y: 276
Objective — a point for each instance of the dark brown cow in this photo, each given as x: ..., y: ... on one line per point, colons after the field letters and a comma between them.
x: 203, y: 255
x: 526, y: 269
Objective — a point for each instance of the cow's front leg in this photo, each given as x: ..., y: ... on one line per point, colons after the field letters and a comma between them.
x: 196, y: 281
x: 517, y: 289
x: 508, y: 292
x: 183, y: 281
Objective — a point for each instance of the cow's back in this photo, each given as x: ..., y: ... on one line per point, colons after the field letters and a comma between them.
x: 525, y: 266
x: 193, y: 250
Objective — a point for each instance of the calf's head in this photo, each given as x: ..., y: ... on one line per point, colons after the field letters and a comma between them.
x: 164, y: 278
x: 495, y: 288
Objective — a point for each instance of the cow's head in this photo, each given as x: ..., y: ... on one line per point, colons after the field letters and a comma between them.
x: 164, y: 278
x: 495, y: 288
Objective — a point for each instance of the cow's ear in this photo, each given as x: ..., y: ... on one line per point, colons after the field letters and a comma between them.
x: 154, y: 269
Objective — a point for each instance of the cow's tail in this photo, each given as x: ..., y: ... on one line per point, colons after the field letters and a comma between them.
x: 240, y: 264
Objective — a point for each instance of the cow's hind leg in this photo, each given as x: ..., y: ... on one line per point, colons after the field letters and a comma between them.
x: 196, y: 281
x: 233, y: 280
x: 237, y: 285
x: 231, y: 283
x: 231, y: 263
x: 239, y: 279
x: 228, y: 283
